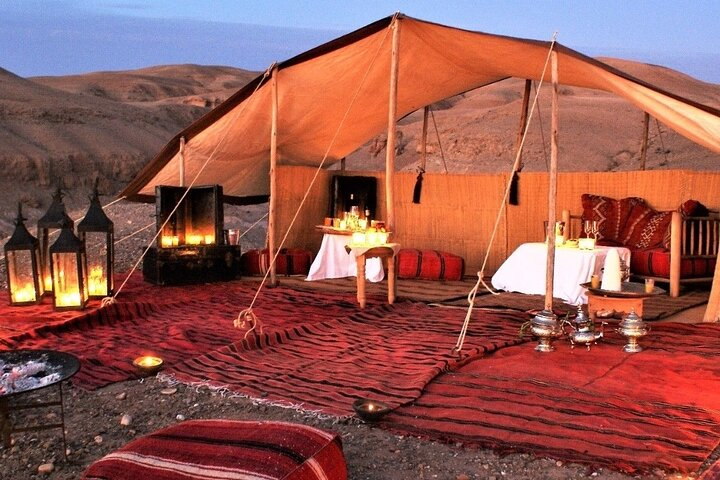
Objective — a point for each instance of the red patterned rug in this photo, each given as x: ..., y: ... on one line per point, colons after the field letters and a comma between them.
x: 633, y: 412
x: 388, y: 353
x: 175, y: 323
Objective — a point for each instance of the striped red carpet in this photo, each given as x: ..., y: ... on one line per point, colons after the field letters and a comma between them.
x: 634, y: 412
x: 388, y: 353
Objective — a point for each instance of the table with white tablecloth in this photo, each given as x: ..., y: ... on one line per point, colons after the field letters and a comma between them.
x: 333, y: 261
x: 524, y: 270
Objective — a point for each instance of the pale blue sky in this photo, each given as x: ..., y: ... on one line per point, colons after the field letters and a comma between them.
x: 58, y: 37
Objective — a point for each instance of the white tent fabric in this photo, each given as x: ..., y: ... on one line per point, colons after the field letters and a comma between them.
x: 334, y: 98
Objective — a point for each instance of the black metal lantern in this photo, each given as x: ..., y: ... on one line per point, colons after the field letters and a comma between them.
x: 96, y: 231
x: 22, y: 262
x: 68, y: 269
x: 53, y: 220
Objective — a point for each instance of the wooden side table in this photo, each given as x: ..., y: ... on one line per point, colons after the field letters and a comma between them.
x: 619, y: 304
x: 632, y: 296
x: 381, y: 252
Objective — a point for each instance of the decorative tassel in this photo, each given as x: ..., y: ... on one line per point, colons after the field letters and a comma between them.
x: 418, y: 188
x: 514, y: 198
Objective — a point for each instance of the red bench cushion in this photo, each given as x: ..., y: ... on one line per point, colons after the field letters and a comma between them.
x: 290, y: 261
x: 429, y: 265
x: 656, y: 263
x: 225, y: 449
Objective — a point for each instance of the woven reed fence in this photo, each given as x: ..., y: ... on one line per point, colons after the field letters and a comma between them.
x: 457, y: 212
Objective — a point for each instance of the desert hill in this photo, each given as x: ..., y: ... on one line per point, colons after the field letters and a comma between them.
x: 598, y: 130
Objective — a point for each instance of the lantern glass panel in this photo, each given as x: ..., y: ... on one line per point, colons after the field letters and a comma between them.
x: 69, y: 288
x: 20, y: 274
x: 98, y: 263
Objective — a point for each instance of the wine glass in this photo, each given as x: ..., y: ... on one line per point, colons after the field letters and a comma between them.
x: 587, y: 228
x: 594, y: 229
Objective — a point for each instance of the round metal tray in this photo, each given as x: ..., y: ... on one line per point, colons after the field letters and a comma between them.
x: 629, y: 290
x: 66, y: 364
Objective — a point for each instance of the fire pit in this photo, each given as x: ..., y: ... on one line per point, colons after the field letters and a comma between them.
x: 25, y: 371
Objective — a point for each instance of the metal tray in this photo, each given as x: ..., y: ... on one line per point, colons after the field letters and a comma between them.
x: 629, y: 290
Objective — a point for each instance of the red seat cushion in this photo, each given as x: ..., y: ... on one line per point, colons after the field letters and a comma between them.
x: 223, y: 449
x: 656, y: 263
x: 429, y: 265
x: 290, y: 261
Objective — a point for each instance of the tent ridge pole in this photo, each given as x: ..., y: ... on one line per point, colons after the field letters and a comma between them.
x: 181, y: 162
x: 392, y: 125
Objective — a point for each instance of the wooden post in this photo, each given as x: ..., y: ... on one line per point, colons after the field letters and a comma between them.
x: 272, y: 210
x: 552, y: 188
x: 423, y: 146
x: 523, y: 123
x: 644, y: 144
x: 392, y: 125
x: 181, y: 162
x: 712, y: 312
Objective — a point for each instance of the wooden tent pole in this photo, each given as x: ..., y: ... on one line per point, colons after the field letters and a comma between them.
x: 712, y: 312
x: 423, y: 146
x: 181, y: 162
x: 523, y: 122
x: 552, y: 188
x: 644, y: 144
x: 392, y: 125
x: 273, y: 175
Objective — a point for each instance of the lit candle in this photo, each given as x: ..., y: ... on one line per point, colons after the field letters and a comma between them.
x: 209, y: 239
x: 358, y: 238
x: 68, y: 299
x: 382, y: 238
x: 175, y: 241
x: 166, y: 241
x: 586, y: 243
x: 96, y: 281
x: 194, y: 239
x: 372, y: 237
x: 24, y: 294
x: 48, y: 283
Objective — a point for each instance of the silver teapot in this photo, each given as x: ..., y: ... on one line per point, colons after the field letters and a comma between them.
x: 633, y: 327
x: 583, y: 330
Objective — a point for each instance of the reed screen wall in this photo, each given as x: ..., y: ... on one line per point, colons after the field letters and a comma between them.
x: 457, y: 213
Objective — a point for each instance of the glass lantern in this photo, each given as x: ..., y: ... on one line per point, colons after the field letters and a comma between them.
x: 68, y: 270
x: 52, y: 221
x: 96, y: 231
x: 22, y: 262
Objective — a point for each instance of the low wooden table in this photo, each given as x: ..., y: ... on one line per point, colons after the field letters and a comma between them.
x: 363, y: 253
x: 632, y: 296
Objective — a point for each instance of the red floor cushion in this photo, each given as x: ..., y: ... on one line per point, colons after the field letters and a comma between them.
x: 429, y: 265
x: 656, y: 263
x: 225, y: 449
x: 290, y: 261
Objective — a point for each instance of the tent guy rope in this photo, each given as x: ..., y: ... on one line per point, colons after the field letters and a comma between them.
x: 110, y: 300
x: 247, y: 319
x: 457, y: 349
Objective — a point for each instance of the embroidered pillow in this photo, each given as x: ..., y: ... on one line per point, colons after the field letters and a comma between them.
x: 611, y: 214
x: 646, y: 228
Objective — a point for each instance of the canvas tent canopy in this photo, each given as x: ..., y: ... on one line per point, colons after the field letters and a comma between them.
x: 331, y: 100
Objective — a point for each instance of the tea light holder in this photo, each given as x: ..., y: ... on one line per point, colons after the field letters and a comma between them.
x: 370, y: 410
x: 148, y: 364
x: 586, y: 243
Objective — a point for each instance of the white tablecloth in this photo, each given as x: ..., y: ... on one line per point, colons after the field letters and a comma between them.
x: 333, y: 261
x: 524, y: 270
